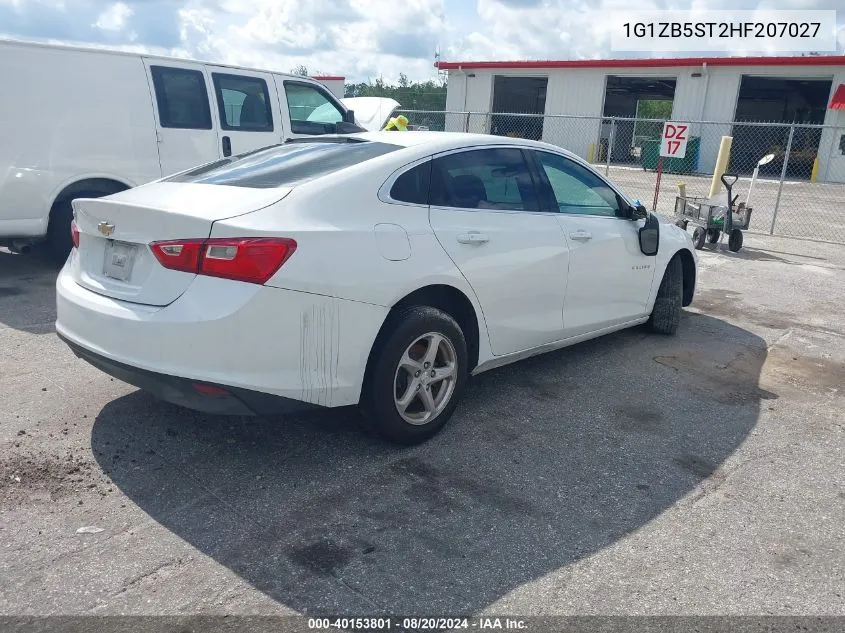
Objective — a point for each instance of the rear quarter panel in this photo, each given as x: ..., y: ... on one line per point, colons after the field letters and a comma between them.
x: 333, y: 221
x: 337, y: 252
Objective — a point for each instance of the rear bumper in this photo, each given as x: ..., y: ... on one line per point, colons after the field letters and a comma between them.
x: 247, y: 338
x: 225, y: 400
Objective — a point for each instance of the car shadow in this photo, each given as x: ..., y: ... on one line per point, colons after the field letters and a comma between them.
x: 27, y: 291
x: 546, y: 461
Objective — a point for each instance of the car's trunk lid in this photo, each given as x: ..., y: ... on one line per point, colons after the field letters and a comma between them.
x: 114, y: 257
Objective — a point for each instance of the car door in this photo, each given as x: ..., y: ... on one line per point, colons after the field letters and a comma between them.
x: 248, y: 109
x: 609, y: 277
x: 485, y: 211
x: 308, y: 109
x: 185, y: 130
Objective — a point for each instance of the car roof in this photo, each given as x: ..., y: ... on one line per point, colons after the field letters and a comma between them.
x: 444, y: 141
x: 106, y: 50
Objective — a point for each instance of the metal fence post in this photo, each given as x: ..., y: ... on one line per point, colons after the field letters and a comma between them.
x: 466, y: 123
x: 610, y: 146
x: 782, y: 176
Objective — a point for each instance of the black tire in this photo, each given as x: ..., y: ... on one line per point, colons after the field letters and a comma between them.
x: 666, y: 315
x: 682, y: 224
x: 378, y: 397
x: 698, y: 237
x: 713, y: 235
x: 735, y: 240
x: 59, y: 242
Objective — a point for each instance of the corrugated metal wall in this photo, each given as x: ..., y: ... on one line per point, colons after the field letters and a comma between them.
x: 710, y: 97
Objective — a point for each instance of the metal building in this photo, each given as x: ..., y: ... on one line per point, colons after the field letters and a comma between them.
x: 724, y: 90
x: 335, y: 83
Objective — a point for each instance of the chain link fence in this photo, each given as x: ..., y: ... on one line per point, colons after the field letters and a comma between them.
x: 800, y: 192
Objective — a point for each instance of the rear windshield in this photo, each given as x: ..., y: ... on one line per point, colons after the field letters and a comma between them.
x: 285, y: 165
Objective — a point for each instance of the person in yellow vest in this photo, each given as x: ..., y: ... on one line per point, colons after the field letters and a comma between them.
x: 397, y: 123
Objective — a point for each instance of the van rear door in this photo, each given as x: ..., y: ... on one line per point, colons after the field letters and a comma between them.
x: 247, y: 107
x: 185, y: 128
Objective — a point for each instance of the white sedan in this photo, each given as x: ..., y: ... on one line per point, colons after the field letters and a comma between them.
x: 380, y: 269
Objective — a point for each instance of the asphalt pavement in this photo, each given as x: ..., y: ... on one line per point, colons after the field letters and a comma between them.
x: 634, y: 474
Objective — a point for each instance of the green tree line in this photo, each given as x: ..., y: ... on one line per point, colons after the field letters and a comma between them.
x: 411, y: 95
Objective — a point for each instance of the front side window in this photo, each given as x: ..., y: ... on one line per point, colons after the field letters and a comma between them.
x: 181, y: 97
x: 243, y: 102
x: 496, y: 178
x: 311, y: 110
x: 577, y: 189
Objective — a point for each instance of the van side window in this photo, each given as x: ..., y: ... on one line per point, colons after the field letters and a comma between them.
x: 412, y: 186
x: 181, y: 97
x: 311, y: 111
x: 243, y: 102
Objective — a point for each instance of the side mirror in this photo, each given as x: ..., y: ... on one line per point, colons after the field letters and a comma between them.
x: 649, y: 234
x: 349, y: 116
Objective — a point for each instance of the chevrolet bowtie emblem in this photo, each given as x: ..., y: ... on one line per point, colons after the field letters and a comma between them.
x: 105, y: 228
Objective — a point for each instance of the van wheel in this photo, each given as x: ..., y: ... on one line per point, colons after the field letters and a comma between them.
x: 417, y: 377
x: 58, y: 232
x: 666, y: 314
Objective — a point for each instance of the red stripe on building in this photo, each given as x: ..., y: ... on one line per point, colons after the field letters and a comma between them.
x: 838, y: 101
x: 813, y: 60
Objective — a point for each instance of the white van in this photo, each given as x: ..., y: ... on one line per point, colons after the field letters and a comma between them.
x: 79, y: 122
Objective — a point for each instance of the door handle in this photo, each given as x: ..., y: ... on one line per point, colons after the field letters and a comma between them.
x: 581, y: 234
x: 227, y: 146
x: 472, y: 237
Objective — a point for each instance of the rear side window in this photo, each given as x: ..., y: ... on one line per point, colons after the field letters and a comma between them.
x: 412, y: 186
x: 285, y: 165
x: 181, y: 97
x: 243, y: 102
x: 495, y: 178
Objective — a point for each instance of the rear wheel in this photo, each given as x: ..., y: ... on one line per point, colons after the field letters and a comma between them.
x: 58, y: 232
x: 713, y: 235
x: 417, y: 376
x: 666, y: 315
x: 698, y: 237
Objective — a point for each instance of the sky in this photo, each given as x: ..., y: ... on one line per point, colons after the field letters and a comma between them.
x: 359, y: 39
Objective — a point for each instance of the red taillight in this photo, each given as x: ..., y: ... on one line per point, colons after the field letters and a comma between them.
x: 181, y: 255
x: 74, y: 233
x: 250, y: 259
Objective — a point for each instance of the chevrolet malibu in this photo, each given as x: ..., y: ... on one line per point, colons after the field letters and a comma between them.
x: 379, y: 269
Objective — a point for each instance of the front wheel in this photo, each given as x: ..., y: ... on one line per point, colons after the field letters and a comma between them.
x: 698, y: 237
x: 666, y: 315
x: 417, y: 376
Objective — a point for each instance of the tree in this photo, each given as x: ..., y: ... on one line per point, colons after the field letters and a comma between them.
x: 300, y: 70
x: 412, y: 95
